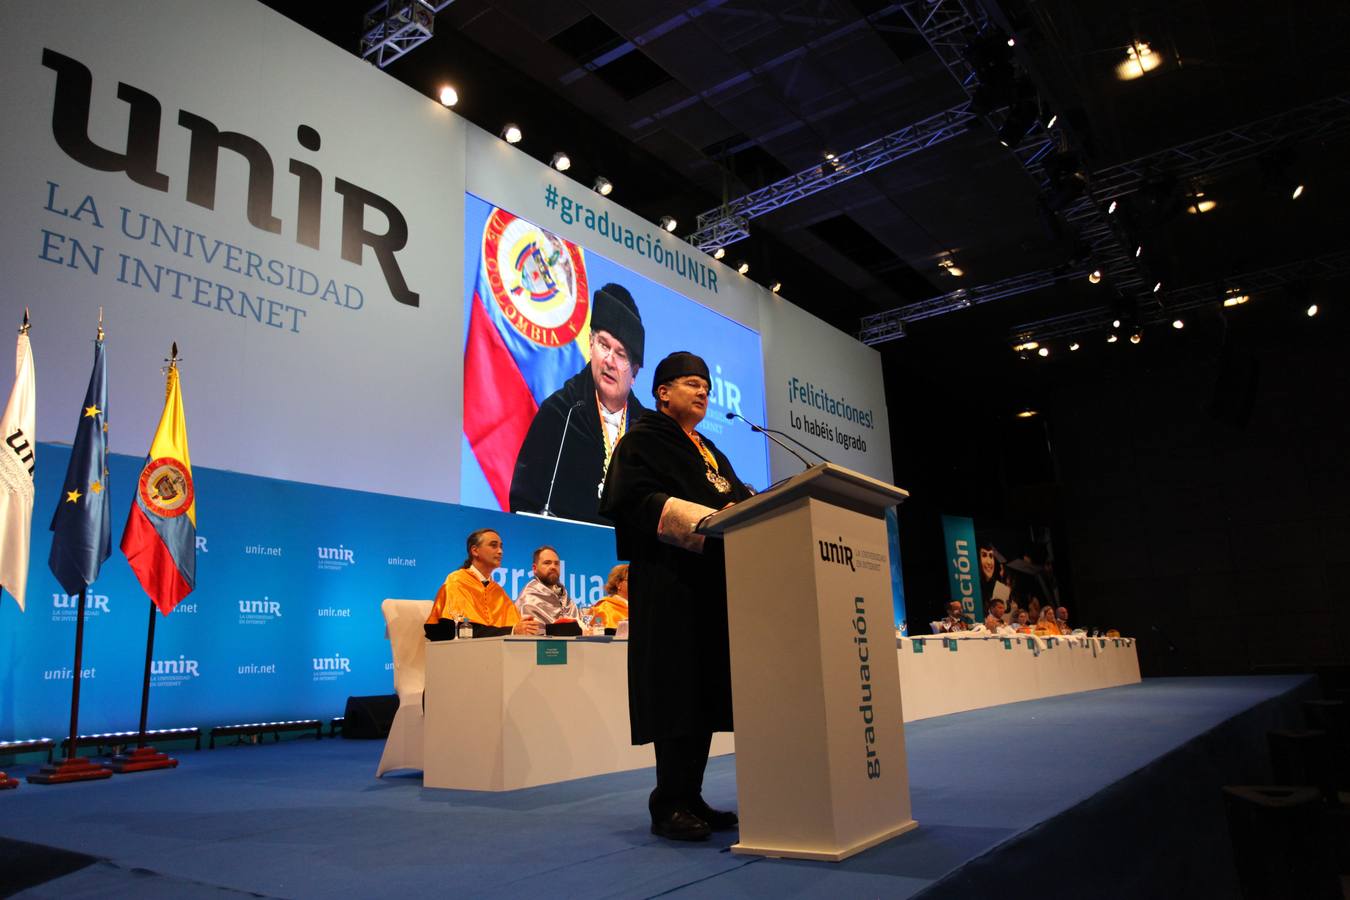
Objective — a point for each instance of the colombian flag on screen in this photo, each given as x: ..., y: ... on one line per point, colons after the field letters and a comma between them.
x: 528, y: 324
x: 160, y: 539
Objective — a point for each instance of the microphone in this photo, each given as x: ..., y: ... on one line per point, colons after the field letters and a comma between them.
x: 568, y: 421
x: 769, y: 432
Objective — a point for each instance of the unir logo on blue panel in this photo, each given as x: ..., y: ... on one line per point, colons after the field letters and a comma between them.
x: 285, y: 621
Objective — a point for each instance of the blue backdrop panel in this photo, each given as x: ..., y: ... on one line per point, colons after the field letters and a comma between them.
x: 285, y: 621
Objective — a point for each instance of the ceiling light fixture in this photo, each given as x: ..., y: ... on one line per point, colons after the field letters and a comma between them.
x: 1136, y: 337
x: 1115, y: 323
x: 1139, y: 61
x: 448, y: 96
x: 1073, y: 346
x: 742, y: 267
x: 719, y: 252
x: 603, y: 186
x: 511, y: 133
x: 1235, y: 298
x: 1199, y: 204
x: 1025, y: 345
x: 669, y: 223
x: 1312, y: 310
x: 1298, y: 192
x: 1026, y: 413
x: 1111, y: 339
x: 1054, y: 117
x: 1044, y: 351
x: 1157, y: 287
x: 561, y: 161
x: 951, y: 268
x: 1138, y: 251
x: 776, y: 287
x: 1095, y: 276
x: 1178, y: 324
x: 1110, y: 210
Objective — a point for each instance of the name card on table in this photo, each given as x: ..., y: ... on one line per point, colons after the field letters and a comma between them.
x: 917, y: 644
x: 550, y: 653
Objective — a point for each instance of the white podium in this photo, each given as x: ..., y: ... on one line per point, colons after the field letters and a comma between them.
x: 820, y: 743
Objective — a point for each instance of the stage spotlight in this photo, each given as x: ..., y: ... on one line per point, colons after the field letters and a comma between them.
x: 1026, y: 413
x: 1012, y: 41
x: 1178, y: 324
x: 1017, y: 124
x: 1054, y: 117
x: 448, y: 96
x: 1026, y: 345
x: 1138, y: 251
x: 1095, y: 276
x: 1312, y: 310
x: 742, y: 267
x: 1136, y: 337
x: 1115, y: 323
x: 1044, y: 351
x: 603, y: 186
x: 561, y: 161
x: 511, y: 133
x: 1139, y: 61
x: 1073, y: 347
x: 951, y: 268
x: 1111, y: 338
x: 1110, y: 210
x: 1200, y: 204
x: 776, y: 287
x: 719, y: 252
x: 669, y: 223
x: 1298, y: 192
x: 1157, y: 286
x: 1235, y: 297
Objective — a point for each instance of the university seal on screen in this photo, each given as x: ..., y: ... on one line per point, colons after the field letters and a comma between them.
x: 166, y: 487
x: 536, y: 279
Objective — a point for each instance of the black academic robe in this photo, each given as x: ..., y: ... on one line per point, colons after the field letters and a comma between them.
x: 576, y: 493
x: 679, y: 664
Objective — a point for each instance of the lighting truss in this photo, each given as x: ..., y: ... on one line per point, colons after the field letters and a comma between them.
x: 730, y: 223
x: 395, y: 27
x: 890, y: 325
x: 1111, y: 251
x: 1206, y: 295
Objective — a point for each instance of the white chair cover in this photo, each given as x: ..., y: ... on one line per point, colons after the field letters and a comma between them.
x: 403, y: 620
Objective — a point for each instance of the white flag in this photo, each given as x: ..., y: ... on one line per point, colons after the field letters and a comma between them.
x: 16, y: 474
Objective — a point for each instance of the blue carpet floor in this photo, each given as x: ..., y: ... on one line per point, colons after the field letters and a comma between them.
x: 1071, y: 796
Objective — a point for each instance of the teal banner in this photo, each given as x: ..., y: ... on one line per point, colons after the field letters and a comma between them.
x: 962, y: 563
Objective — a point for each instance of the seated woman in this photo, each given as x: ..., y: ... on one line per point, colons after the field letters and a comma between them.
x: 613, y: 608
x: 1047, y: 626
x: 1022, y: 624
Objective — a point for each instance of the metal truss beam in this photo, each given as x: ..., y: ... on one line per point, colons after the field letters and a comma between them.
x: 731, y: 222
x: 1113, y: 255
x: 393, y: 28
x: 890, y: 325
x: 1188, y: 299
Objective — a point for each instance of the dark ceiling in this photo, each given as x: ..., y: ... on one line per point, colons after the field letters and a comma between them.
x: 686, y: 105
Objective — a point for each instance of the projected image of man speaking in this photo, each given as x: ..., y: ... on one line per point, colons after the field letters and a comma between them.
x: 577, y: 427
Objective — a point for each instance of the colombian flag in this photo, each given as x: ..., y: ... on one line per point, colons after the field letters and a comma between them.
x: 160, y: 538
x: 528, y: 323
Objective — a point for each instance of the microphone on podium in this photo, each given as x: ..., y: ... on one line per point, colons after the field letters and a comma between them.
x: 770, y: 432
x: 566, y: 422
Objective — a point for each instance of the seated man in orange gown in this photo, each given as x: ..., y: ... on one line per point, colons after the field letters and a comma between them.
x: 613, y: 608
x: 470, y: 591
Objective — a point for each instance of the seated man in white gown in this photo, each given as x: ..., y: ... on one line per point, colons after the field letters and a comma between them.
x: 545, y: 598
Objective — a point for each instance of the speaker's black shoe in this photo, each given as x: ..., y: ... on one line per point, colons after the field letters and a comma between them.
x: 681, y: 825
x: 717, y: 819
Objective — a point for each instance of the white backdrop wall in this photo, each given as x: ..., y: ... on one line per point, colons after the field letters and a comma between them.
x: 342, y: 385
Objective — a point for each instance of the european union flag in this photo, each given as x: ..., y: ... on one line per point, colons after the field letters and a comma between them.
x: 81, y: 526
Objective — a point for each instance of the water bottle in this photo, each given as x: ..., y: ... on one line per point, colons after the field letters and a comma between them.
x: 464, y: 629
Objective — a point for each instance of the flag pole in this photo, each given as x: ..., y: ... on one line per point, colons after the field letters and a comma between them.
x: 146, y: 757
x: 74, y: 767
x: 7, y: 783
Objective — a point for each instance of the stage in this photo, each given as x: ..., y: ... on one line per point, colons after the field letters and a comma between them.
x: 1105, y: 793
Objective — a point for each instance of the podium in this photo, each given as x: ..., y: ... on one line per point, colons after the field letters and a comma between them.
x: 820, y: 744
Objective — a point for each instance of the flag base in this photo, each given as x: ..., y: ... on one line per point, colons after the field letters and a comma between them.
x: 6, y: 783
x: 142, y: 759
x: 75, y: 768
